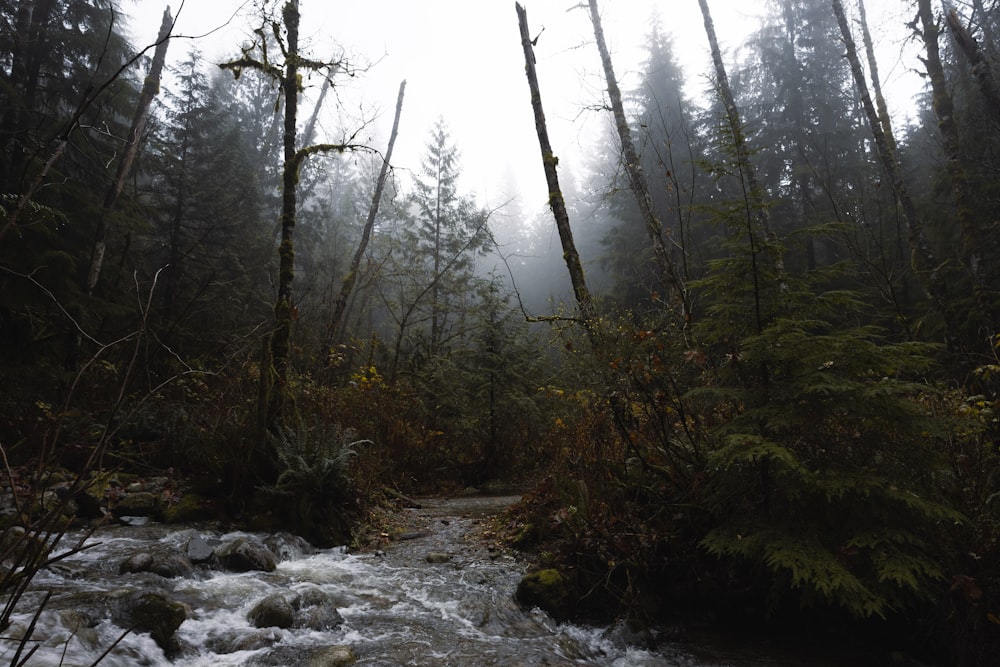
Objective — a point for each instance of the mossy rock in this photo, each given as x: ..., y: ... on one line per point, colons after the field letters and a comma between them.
x: 190, y: 508
x: 548, y: 590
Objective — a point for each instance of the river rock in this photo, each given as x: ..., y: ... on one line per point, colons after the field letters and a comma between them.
x: 319, y: 618
x: 232, y: 641
x: 243, y: 555
x: 438, y: 557
x: 318, y: 656
x: 274, y: 611
x: 288, y: 547
x: 162, y: 561
x: 152, y: 612
x: 198, y: 550
x: 311, y: 608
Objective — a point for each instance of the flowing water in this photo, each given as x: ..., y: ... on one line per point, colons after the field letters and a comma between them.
x: 398, y: 607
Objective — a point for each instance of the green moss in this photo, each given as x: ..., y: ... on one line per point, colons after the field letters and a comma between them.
x: 546, y: 589
x: 189, y: 508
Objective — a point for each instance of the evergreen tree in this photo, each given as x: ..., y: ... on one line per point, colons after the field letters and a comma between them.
x: 208, y: 239
x: 67, y: 96
x: 670, y: 152
x: 447, y: 232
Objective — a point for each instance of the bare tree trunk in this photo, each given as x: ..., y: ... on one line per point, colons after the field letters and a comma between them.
x: 944, y: 110
x: 584, y: 300
x: 924, y: 264
x: 637, y: 179
x: 340, y: 305
x: 883, y: 110
x: 150, y: 87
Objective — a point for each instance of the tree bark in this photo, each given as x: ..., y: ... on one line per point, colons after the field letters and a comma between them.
x: 883, y: 110
x: 944, y: 111
x: 925, y: 266
x: 584, y: 300
x: 150, y: 87
x: 637, y: 179
x: 340, y: 305
x: 284, y: 309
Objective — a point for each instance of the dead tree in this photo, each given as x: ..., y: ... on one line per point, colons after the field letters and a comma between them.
x: 351, y: 277
x: 150, y: 87
x: 584, y: 300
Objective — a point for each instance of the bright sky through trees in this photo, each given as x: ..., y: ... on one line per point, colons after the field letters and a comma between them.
x: 462, y: 61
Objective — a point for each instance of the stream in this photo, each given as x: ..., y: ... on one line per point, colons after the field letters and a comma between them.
x: 439, y: 596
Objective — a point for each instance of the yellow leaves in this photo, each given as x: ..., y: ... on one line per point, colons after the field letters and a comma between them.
x: 368, y: 378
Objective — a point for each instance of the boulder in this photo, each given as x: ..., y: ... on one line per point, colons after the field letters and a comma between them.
x: 274, y: 611
x: 162, y: 561
x: 320, y: 618
x: 244, y: 555
x: 225, y: 642
x: 288, y: 547
x: 142, y: 503
x: 312, y: 609
x: 198, y: 550
x: 548, y: 590
x: 152, y: 612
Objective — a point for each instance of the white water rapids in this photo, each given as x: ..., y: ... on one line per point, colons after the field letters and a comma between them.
x: 397, y: 608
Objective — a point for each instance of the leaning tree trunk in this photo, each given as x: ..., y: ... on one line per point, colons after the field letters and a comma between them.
x: 584, y: 300
x: 150, y: 87
x: 882, y: 108
x: 924, y: 264
x: 758, y: 224
x: 944, y: 110
x: 340, y: 305
x: 637, y: 179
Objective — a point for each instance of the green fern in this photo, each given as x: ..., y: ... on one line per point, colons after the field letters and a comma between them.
x: 315, y: 460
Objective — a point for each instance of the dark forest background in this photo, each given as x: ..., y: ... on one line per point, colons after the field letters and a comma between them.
x: 783, y: 405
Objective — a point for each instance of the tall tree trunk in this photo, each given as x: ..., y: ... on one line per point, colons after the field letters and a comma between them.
x: 882, y: 108
x: 584, y: 300
x: 150, y: 87
x: 925, y: 266
x: 284, y: 309
x: 758, y: 224
x: 637, y: 179
x: 944, y: 111
x: 350, y: 278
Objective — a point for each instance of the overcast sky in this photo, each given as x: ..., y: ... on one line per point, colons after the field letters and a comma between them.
x: 462, y: 60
